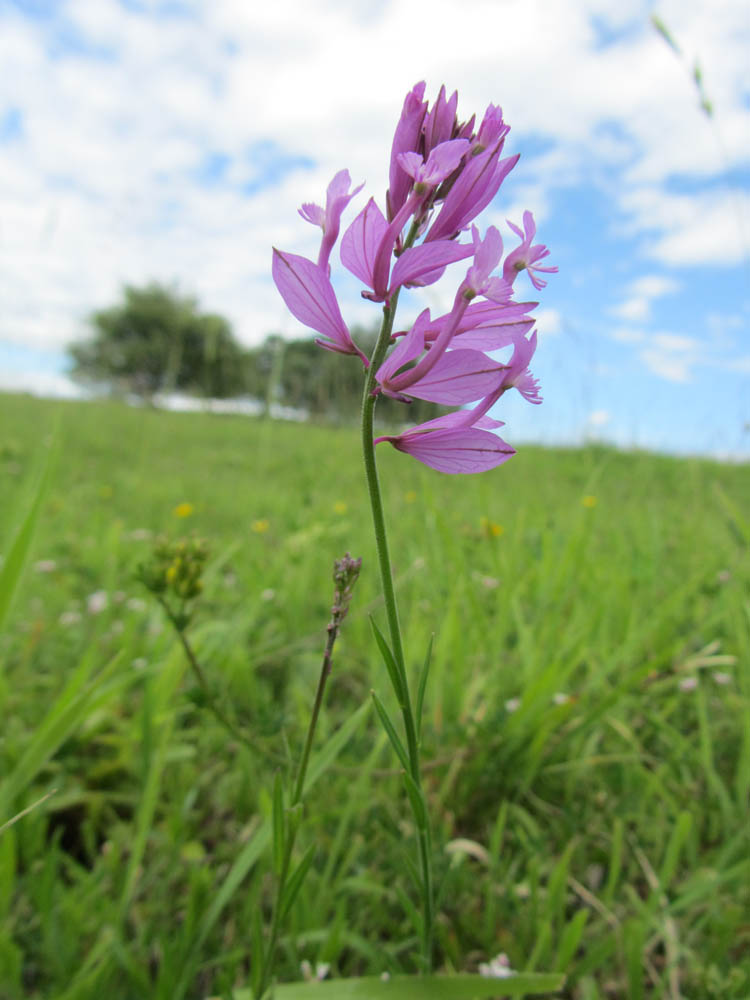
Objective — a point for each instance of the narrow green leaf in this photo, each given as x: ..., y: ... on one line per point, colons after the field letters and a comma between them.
x: 571, y: 938
x: 410, y: 909
x: 390, y: 662
x: 674, y: 848
x: 462, y: 987
x: 294, y: 884
x: 12, y: 567
x: 665, y: 33
x: 278, y: 825
x: 257, y: 949
x: 422, y: 684
x: 393, y: 736
x: 416, y: 801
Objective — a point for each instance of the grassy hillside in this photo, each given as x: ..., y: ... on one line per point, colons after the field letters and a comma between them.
x: 587, y: 720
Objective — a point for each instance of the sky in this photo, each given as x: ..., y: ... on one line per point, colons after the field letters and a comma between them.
x: 174, y: 140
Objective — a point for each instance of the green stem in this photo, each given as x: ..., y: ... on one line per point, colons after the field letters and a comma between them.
x: 299, y: 788
x: 391, y: 610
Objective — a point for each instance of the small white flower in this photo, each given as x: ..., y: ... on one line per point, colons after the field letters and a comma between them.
x: 135, y: 604
x: 512, y: 705
x: 497, y: 968
x: 560, y: 698
x: 97, y: 602
x: 45, y: 566
x: 267, y: 595
x: 321, y: 971
x: 721, y: 678
x: 688, y: 684
x: 139, y: 663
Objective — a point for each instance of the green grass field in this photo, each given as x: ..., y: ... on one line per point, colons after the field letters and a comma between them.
x: 587, y: 725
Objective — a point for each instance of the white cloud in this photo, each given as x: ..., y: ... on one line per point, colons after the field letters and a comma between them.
x: 101, y: 187
x: 599, y: 418
x: 672, y: 356
x: 548, y: 322
x: 641, y: 292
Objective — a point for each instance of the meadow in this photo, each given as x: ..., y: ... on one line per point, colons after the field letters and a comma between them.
x: 587, y: 721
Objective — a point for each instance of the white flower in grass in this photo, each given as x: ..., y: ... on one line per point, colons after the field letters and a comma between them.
x: 688, y: 684
x: 135, y: 604
x: 721, y: 678
x: 321, y: 971
x: 45, y: 566
x: 97, y: 602
x: 512, y: 705
x: 497, y: 968
x: 560, y: 698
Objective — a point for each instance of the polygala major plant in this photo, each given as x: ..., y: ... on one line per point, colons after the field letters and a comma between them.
x: 443, y: 174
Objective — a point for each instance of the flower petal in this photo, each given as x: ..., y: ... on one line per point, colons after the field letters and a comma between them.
x: 424, y: 264
x: 360, y: 242
x: 310, y: 297
x: 458, y: 377
x: 454, y: 451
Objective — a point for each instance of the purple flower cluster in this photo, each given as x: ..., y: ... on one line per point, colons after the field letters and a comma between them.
x: 442, y: 175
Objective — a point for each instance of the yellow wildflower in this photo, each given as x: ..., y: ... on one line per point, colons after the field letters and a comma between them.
x: 183, y: 510
x: 410, y: 496
x: 589, y: 501
x: 490, y: 529
x: 340, y: 507
x: 260, y: 526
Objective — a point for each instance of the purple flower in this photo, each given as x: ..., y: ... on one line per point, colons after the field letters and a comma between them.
x: 525, y: 256
x: 329, y: 220
x: 442, y: 175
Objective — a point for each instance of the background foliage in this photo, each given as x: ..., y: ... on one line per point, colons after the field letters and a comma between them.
x: 587, y: 729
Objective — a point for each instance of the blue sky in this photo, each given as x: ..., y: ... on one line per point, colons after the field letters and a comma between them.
x: 156, y: 139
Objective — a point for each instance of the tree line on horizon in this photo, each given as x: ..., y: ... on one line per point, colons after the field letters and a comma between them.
x: 157, y: 341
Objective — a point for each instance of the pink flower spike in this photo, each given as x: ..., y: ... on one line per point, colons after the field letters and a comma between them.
x: 337, y: 198
x: 360, y: 243
x: 460, y: 450
x: 525, y: 256
x: 309, y: 296
x: 405, y: 140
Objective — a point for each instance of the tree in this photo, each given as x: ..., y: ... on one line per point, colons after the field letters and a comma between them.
x: 300, y: 374
x: 157, y: 341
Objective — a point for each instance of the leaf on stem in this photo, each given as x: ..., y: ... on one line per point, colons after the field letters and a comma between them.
x: 393, y: 736
x: 279, y: 825
x: 294, y: 884
x: 422, y: 685
x: 394, y: 672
